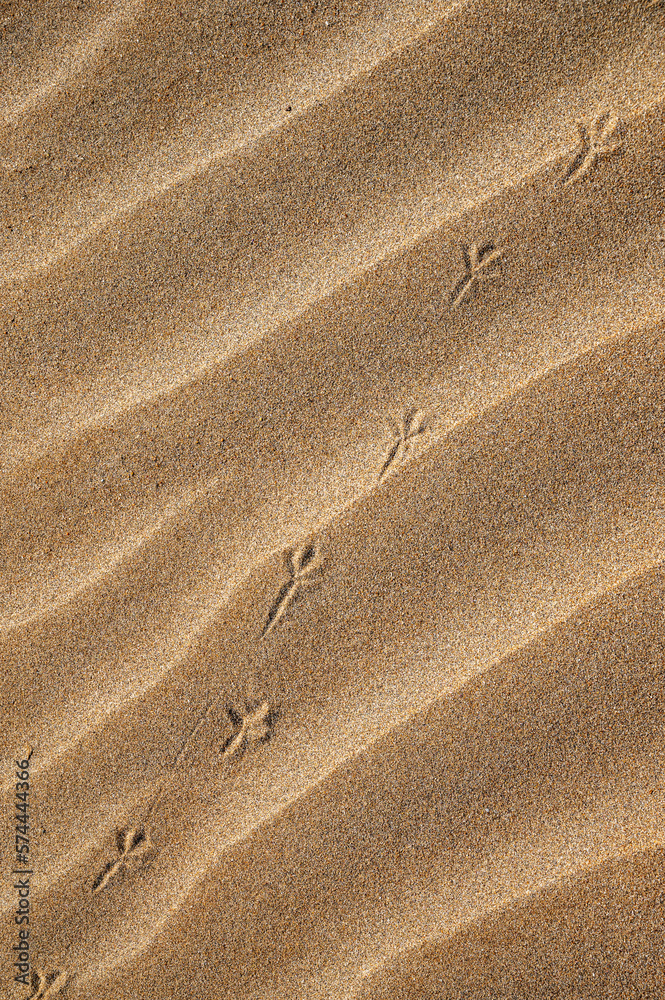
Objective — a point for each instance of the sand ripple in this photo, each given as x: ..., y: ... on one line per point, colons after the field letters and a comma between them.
x: 332, y: 529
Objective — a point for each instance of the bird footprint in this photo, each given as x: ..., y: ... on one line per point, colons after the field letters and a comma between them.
x: 409, y: 427
x: 132, y: 842
x: 600, y: 139
x: 45, y: 985
x: 302, y: 563
x: 476, y: 259
x: 254, y: 726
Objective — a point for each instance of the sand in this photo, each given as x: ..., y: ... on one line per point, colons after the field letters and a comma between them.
x: 332, y: 522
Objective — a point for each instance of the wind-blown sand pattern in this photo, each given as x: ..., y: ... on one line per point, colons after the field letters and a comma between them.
x: 332, y: 462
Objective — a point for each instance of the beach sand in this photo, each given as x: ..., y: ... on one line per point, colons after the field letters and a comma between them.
x: 332, y: 522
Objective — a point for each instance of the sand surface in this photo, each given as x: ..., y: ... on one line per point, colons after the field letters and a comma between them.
x: 332, y: 481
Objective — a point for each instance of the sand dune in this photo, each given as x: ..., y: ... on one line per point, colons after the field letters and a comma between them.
x: 332, y: 529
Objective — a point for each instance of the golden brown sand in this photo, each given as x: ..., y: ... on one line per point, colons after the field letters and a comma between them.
x: 332, y: 468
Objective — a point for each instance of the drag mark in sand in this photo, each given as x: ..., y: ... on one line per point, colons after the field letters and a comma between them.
x: 131, y: 842
x: 410, y: 426
x: 255, y: 726
x: 599, y: 139
x: 476, y: 259
x: 47, y: 984
x: 302, y: 565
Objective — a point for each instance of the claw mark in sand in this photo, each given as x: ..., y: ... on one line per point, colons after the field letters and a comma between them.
x: 255, y: 726
x: 46, y: 985
x: 596, y: 141
x: 411, y: 425
x: 476, y: 259
x: 303, y: 564
x: 131, y: 842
